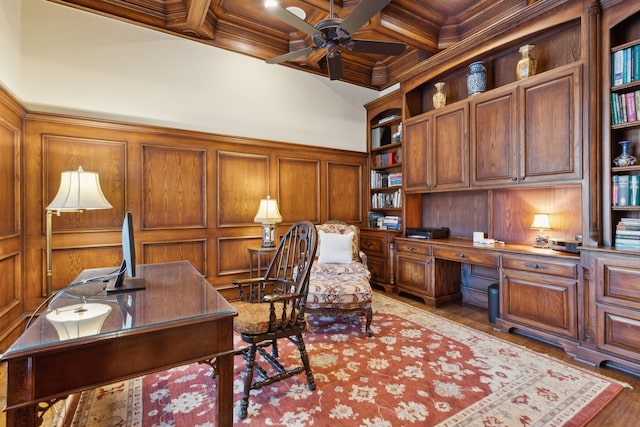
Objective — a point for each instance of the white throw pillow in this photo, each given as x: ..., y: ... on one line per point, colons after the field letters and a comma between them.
x: 335, y: 248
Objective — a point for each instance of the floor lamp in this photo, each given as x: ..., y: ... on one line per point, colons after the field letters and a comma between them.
x: 79, y: 191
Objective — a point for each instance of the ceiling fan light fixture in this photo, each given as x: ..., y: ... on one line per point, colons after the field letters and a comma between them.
x: 296, y: 11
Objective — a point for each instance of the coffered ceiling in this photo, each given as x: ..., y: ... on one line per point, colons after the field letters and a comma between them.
x: 244, y: 26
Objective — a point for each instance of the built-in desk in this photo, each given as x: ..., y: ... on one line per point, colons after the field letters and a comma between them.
x: 538, y: 288
x: 178, y: 319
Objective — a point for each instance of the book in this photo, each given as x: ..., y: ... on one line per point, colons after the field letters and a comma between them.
x: 618, y: 67
x: 614, y: 109
x: 631, y: 106
x: 636, y: 62
x: 623, y: 190
x: 630, y: 221
x: 634, y: 190
x: 615, y: 190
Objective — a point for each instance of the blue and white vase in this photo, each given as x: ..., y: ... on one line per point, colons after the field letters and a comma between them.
x: 477, y: 79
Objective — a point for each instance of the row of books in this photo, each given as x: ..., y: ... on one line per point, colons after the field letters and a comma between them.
x: 386, y: 159
x: 625, y: 107
x: 628, y: 233
x: 383, y: 179
x: 387, y: 200
x: 625, y: 190
x: 380, y: 136
x: 625, y: 64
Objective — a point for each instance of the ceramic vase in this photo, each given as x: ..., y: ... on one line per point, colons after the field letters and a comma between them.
x: 439, y: 98
x: 624, y: 159
x: 526, y: 66
x: 477, y: 78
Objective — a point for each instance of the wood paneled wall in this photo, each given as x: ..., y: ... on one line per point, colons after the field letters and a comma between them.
x: 193, y: 196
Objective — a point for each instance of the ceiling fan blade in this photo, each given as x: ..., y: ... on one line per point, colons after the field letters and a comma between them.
x: 379, y: 47
x: 291, y: 19
x: 290, y: 55
x: 334, y: 63
x: 360, y: 15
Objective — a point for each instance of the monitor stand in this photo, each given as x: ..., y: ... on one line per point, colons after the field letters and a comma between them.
x: 128, y: 285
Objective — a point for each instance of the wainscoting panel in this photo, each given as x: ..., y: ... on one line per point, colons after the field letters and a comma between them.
x: 194, y: 251
x: 344, y: 191
x: 242, y: 180
x: 174, y: 187
x: 233, y: 255
x: 9, y: 185
x: 299, y: 189
x: 67, y: 263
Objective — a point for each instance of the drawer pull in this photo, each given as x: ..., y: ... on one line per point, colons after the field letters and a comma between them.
x: 532, y: 265
x: 411, y: 248
x: 460, y: 255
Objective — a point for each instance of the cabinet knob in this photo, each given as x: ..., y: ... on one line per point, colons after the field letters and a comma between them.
x: 460, y: 255
x: 411, y: 248
x: 515, y: 178
x: 532, y: 265
x: 522, y: 178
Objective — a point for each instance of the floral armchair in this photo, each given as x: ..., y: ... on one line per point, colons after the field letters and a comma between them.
x: 339, y: 281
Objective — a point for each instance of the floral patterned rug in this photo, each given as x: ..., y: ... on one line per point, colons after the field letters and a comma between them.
x: 418, y: 369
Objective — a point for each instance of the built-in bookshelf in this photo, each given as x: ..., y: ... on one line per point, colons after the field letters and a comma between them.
x: 385, y: 157
x: 623, y: 197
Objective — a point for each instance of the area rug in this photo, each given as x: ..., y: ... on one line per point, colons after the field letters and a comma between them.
x: 417, y: 370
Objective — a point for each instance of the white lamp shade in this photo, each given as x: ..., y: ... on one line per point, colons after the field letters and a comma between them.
x: 79, y: 190
x: 268, y: 211
x: 78, y: 320
x: 541, y: 221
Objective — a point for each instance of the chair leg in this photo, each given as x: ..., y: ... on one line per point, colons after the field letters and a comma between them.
x: 368, y: 312
x: 305, y: 361
x: 250, y: 360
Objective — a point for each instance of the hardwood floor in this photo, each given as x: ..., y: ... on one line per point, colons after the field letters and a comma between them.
x: 624, y: 411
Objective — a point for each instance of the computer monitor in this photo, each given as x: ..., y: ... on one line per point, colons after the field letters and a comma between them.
x: 128, y: 266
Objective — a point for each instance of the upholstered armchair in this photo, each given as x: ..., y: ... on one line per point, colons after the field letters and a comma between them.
x: 339, y: 282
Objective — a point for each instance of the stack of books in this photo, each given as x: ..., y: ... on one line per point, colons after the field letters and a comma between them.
x: 391, y: 223
x: 395, y: 179
x: 628, y: 233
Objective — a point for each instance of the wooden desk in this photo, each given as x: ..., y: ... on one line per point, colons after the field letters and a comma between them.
x: 178, y: 319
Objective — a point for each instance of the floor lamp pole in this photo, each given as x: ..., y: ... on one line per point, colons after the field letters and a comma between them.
x: 49, y: 277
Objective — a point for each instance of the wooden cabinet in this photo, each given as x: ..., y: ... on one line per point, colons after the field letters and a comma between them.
x: 528, y: 132
x: 436, y: 281
x: 437, y: 150
x: 378, y: 245
x: 540, y: 294
x: 612, y: 330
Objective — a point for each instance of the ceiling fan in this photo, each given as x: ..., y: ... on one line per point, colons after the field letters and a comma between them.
x: 333, y: 34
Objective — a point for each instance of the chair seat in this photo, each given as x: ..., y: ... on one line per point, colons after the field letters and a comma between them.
x: 333, y: 269
x: 345, y: 291
x: 252, y: 318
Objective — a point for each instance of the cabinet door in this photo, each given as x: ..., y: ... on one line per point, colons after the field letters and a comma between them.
x: 414, y: 274
x: 493, y: 140
x: 544, y: 302
x: 550, y: 133
x: 450, y: 159
x: 417, y: 135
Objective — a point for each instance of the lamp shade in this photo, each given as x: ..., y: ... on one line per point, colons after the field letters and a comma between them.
x: 78, y: 320
x: 79, y: 190
x: 541, y: 221
x: 268, y: 211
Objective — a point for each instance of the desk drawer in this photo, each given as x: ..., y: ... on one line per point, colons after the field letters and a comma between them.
x: 470, y: 256
x: 412, y: 247
x: 559, y: 268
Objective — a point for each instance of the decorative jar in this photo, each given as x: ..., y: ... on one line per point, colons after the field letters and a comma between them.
x: 624, y: 159
x: 477, y: 79
x: 439, y: 98
x: 526, y: 66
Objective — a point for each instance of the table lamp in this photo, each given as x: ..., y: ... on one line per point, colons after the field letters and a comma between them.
x: 79, y: 191
x: 268, y: 214
x: 541, y: 222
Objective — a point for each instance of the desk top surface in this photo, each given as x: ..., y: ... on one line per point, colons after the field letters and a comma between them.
x: 175, y: 293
